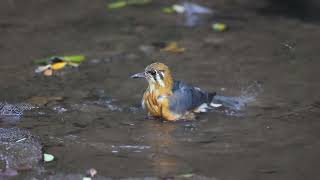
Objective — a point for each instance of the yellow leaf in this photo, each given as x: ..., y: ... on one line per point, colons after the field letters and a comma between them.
x: 58, y: 65
x: 173, y: 47
x: 219, y: 27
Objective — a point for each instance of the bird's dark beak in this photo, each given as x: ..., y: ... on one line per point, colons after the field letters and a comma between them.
x: 138, y: 75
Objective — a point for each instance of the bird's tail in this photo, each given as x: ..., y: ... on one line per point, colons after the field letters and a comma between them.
x: 248, y: 95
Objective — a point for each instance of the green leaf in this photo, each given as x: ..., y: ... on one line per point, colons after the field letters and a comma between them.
x: 74, y: 59
x: 117, y: 5
x: 168, y: 10
x: 138, y: 2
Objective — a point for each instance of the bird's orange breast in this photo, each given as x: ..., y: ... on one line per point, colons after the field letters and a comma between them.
x: 151, y: 103
x: 158, y: 107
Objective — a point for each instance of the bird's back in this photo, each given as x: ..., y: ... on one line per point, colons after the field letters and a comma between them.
x: 187, y: 98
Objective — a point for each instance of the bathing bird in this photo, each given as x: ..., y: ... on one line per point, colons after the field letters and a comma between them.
x: 174, y: 100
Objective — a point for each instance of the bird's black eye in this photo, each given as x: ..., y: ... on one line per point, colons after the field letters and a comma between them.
x: 152, y: 72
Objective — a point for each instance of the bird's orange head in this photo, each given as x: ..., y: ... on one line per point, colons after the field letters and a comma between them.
x: 158, y: 76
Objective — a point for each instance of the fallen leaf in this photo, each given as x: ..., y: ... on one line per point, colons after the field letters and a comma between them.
x: 138, y: 2
x: 219, y: 27
x: 117, y: 5
x: 121, y: 4
x: 173, y: 48
x: 48, y: 72
x: 91, y: 172
x: 48, y: 157
x: 74, y: 59
x: 73, y: 64
x: 55, y: 98
x: 41, y: 101
x: 38, y: 100
x: 58, y: 65
x: 178, y: 8
x: 42, y: 68
x: 49, y: 60
x: 168, y: 10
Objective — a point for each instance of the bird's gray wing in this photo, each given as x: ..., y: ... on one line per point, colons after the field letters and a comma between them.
x: 186, y: 97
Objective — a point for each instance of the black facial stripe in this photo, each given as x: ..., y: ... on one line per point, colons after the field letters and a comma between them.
x: 154, y: 75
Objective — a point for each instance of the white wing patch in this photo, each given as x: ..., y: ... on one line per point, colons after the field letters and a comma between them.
x: 215, y: 105
x: 202, y: 108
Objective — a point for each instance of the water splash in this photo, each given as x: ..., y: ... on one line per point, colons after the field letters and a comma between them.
x: 232, y: 105
x: 250, y: 93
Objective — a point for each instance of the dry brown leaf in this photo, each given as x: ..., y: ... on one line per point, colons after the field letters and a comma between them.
x: 41, y: 101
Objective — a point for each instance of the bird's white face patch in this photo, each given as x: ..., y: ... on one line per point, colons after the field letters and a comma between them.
x: 151, y: 87
x: 161, y: 72
x: 159, y: 80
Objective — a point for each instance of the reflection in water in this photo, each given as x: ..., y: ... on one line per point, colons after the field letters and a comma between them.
x: 159, y: 136
x: 130, y: 148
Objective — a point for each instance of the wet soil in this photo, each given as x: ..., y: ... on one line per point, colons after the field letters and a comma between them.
x: 103, y: 127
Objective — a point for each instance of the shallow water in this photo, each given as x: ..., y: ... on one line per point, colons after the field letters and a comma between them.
x: 99, y: 123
